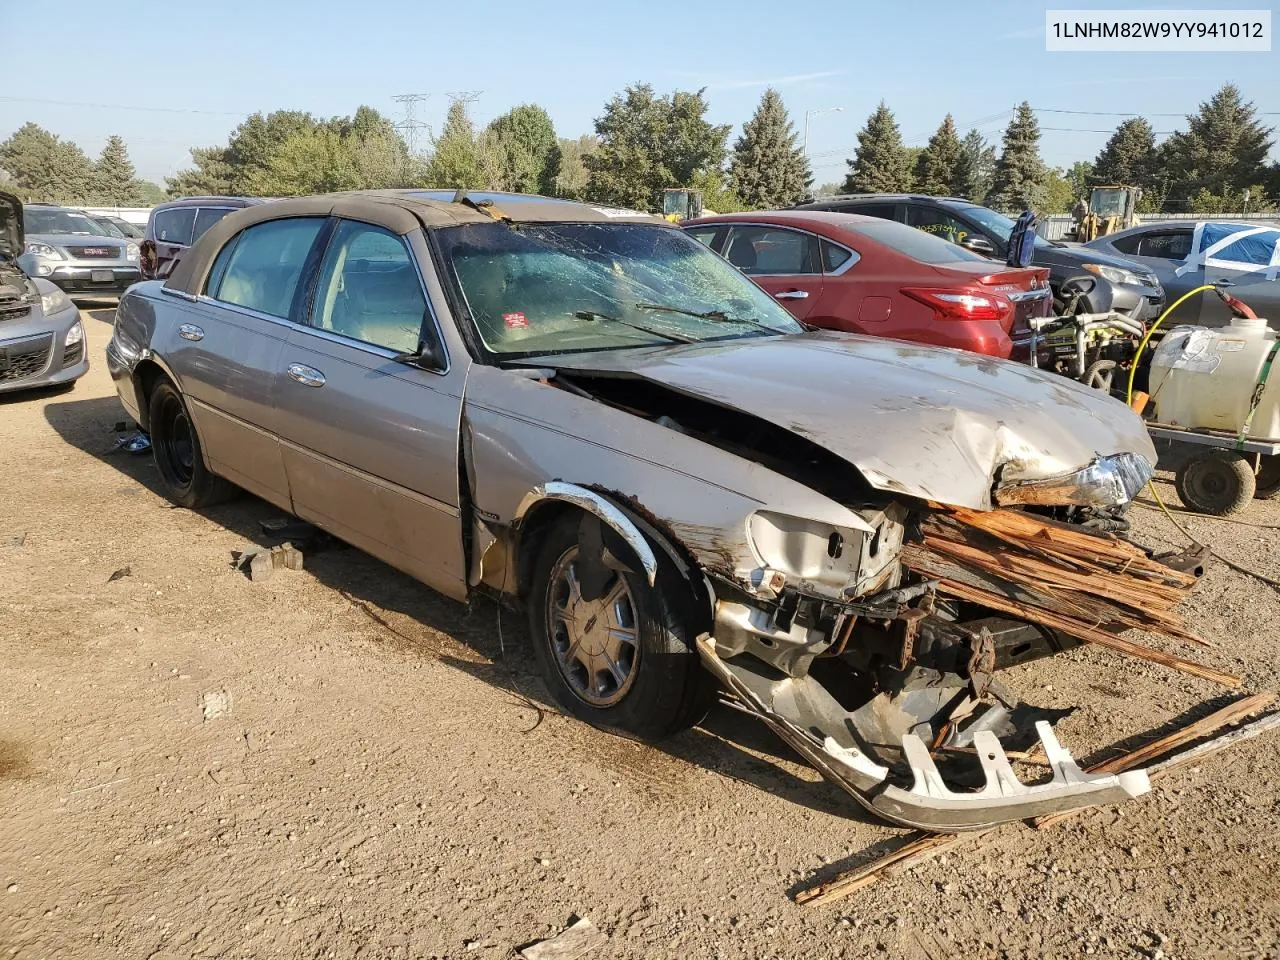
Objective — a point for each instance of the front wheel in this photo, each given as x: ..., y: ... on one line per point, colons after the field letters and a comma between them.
x: 624, y: 660
x: 176, y: 448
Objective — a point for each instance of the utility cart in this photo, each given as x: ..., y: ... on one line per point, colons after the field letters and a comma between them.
x: 1216, y: 471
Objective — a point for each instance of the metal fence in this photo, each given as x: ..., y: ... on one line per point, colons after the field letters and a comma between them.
x: 1058, y: 225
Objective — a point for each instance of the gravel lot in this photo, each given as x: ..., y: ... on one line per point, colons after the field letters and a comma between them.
x: 338, y: 763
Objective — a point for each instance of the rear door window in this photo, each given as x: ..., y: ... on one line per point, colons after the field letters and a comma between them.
x: 934, y: 221
x: 175, y: 225
x: 263, y: 268
x: 770, y: 251
x: 206, y: 217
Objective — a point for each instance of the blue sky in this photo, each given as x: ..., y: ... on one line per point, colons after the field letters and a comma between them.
x: 200, y: 67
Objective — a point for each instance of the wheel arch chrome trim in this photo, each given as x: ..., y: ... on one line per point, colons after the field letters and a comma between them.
x: 603, y: 508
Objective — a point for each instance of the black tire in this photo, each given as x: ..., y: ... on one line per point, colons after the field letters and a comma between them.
x: 1217, y: 482
x: 667, y: 689
x: 1268, y: 479
x: 1101, y: 375
x: 176, y: 449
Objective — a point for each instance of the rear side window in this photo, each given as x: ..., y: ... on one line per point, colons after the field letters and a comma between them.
x: 264, y: 263
x: 206, y: 217
x: 704, y: 235
x: 913, y: 243
x: 174, y: 225
x: 834, y: 257
x: 769, y: 251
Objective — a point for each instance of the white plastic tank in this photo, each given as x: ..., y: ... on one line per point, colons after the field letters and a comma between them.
x: 1205, y: 378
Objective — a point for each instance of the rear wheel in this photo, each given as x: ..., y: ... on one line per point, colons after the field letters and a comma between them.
x: 1268, y: 479
x: 1217, y: 482
x: 176, y: 448
x: 624, y: 660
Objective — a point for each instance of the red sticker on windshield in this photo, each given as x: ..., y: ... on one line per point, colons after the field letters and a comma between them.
x: 514, y: 320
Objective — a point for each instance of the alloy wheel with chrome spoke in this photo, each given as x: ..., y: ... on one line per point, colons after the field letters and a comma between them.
x: 596, y: 643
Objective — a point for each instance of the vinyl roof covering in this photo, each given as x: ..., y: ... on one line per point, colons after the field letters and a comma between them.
x: 401, y: 211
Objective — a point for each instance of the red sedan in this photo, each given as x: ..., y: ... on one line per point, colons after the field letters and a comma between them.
x: 866, y: 275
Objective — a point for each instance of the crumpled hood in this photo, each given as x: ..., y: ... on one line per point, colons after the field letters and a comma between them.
x: 11, y: 242
x: 928, y: 422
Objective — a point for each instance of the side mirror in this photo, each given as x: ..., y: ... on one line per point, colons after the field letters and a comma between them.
x: 426, y: 357
x: 979, y: 245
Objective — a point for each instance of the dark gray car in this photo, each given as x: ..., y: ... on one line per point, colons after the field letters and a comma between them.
x: 1186, y: 254
x: 1118, y: 284
x: 584, y: 411
x: 41, y: 337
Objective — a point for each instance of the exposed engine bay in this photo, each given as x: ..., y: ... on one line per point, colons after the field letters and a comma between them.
x: 886, y: 683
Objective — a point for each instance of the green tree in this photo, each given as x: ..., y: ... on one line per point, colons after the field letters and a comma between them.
x: 1129, y: 157
x: 1018, y: 182
x: 308, y: 161
x: 528, y: 158
x: 935, y: 168
x: 1059, y: 194
x: 211, y: 175
x: 649, y: 143
x: 44, y: 168
x: 717, y: 194
x: 880, y: 164
x: 456, y: 162
x: 768, y: 169
x: 1224, y: 148
x: 115, y: 183
x: 1081, y: 176
x: 151, y: 193
x: 829, y: 189
x: 974, y: 168
x: 572, y: 174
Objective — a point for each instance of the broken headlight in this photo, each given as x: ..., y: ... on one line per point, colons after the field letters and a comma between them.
x: 1106, y: 482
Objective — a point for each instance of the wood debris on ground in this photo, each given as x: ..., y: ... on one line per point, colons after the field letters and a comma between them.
x: 923, y: 847
x: 576, y: 941
x: 1089, y: 586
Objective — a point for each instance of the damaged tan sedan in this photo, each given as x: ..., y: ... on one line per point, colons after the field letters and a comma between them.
x: 584, y: 411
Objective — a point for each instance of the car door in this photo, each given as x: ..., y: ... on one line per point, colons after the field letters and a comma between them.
x: 370, y: 443
x: 1247, y: 259
x: 783, y: 260
x: 226, y: 350
x: 1164, y: 249
x: 172, y: 230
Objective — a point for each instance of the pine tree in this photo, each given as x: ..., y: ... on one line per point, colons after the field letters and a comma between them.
x: 974, y: 168
x: 115, y: 182
x: 880, y: 163
x: 1223, y: 151
x: 456, y: 162
x: 1018, y: 182
x: 1129, y: 157
x: 936, y: 165
x: 768, y: 170
x: 649, y: 143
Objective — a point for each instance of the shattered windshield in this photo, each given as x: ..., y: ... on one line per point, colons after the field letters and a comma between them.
x: 560, y: 287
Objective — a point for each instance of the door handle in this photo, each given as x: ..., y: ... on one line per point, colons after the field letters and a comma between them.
x: 307, y: 376
x: 792, y: 295
x: 189, y: 331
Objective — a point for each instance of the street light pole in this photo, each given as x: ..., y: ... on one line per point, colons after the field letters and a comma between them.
x: 814, y: 113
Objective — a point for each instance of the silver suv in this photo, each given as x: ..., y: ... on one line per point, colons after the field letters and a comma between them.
x: 69, y: 248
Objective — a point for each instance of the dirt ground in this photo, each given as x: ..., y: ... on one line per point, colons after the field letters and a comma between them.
x: 338, y: 763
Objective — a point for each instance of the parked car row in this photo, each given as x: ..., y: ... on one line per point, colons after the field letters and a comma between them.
x: 41, y: 337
